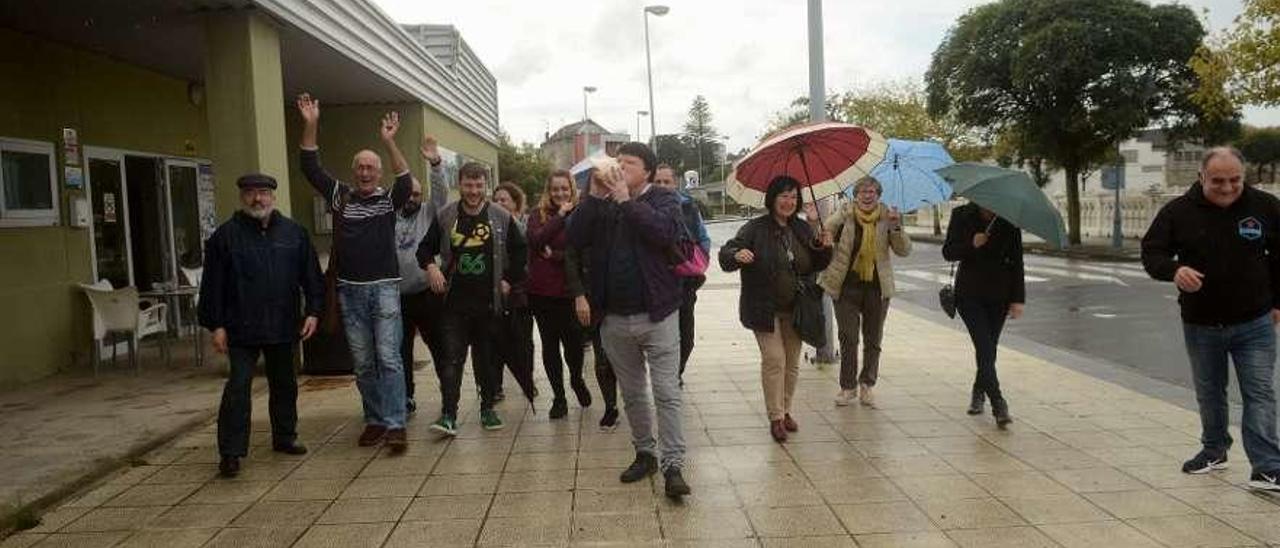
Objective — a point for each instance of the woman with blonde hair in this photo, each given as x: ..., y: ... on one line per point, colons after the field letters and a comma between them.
x: 554, y: 285
x: 859, y: 281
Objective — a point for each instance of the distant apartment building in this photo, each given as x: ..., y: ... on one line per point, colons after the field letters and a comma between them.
x: 580, y: 140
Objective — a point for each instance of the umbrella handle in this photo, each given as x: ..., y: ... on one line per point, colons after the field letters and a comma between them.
x: 813, y: 198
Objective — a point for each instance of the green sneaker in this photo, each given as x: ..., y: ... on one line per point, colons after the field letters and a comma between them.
x: 489, y: 419
x: 445, y: 426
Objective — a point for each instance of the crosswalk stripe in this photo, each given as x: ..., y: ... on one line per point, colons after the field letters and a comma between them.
x: 1076, y: 275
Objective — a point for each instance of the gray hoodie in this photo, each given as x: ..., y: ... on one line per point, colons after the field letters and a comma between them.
x: 412, y: 229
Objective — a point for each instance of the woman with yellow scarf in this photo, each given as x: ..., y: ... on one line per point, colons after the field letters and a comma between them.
x: 860, y: 282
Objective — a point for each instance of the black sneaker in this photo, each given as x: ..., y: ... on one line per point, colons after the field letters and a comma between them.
x: 610, y: 420
x: 1205, y: 462
x: 1265, y: 481
x: 410, y: 406
x: 293, y: 448
x: 559, y: 408
x: 676, y: 487
x: 644, y: 466
x: 229, y: 467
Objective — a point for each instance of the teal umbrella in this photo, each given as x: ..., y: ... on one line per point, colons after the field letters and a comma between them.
x: 1012, y: 195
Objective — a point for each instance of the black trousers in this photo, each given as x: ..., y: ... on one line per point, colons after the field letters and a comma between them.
x: 461, y: 332
x: 420, y: 313
x: 604, y: 371
x: 237, y: 397
x: 691, y: 286
x: 985, y: 320
x: 514, y: 347
x: 558, y: 326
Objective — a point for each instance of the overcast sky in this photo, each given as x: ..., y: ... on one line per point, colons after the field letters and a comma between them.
x: 748, y: 57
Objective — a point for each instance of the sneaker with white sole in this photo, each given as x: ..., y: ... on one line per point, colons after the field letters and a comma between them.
x: 1265, y: 481
x: 846, y: 397
x: 1204, y: 462
x: 866, y: 397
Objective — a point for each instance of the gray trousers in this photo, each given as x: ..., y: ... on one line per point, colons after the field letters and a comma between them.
x: 860, y: 308
x: 631, y: 342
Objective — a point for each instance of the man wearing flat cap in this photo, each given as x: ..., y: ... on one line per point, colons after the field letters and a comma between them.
x: 260, y: 274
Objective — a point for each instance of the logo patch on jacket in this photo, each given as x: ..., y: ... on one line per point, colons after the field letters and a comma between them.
x: 1250, y: 229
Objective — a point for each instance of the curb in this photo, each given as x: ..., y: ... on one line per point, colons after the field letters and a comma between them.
x: 105, y: 467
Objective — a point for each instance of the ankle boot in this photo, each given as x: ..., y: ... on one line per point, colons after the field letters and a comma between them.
x: 1000, y: 410
x: 976, y: 401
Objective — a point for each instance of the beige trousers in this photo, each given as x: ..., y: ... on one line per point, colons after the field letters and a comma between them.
x: 779, y: 365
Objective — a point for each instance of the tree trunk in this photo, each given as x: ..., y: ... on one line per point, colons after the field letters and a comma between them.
x: 1073, y: 205
x: 937, y: 221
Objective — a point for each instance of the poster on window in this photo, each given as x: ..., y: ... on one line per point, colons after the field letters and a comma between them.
x: 205, y: 198
x: 108, y: 207
x: 70, y: 147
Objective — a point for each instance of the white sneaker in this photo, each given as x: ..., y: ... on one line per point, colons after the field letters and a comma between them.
x: 867, y: 398
x: 845, y: 397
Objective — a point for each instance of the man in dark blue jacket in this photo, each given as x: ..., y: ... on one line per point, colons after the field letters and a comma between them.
x: 1220, y: 245
x: 631, y: 227
x: 258, y: 265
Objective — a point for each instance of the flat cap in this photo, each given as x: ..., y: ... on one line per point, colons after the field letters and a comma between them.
x: 256, y: 180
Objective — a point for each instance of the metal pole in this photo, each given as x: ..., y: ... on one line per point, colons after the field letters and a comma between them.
x: 1117, y: 237
x: 648, y: 61
x: 584, y: 105
x: 817, y: 83
x: 818, y: 113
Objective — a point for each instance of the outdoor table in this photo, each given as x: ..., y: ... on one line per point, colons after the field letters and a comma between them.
x: 172, y: 296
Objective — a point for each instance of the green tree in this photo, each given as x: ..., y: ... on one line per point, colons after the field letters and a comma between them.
x: 1261, y: 146
x: 522, y: 165
x: 700, y: 136
x: 672, y: 150
x: 1253, y: 48
x: 894, y: 109
x: 1069, y: 78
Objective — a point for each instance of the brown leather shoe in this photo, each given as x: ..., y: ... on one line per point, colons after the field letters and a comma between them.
x: 778, y: 431
x: 396, y: 441
x: 790, y: 423
x: 372, y: 435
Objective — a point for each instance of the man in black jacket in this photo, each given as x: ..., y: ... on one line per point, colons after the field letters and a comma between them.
x: 1220, y: 244
x: 256, y: 265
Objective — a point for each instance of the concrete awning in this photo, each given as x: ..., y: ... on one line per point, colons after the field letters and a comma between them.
x: 320, y: 42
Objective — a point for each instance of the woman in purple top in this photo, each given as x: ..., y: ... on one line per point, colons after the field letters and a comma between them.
x: 552, y: 292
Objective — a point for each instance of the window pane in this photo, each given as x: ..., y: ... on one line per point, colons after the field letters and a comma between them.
x: 26, y: 180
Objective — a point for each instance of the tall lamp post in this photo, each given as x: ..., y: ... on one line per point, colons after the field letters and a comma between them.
x: 639, y: 114
x: 586, y: 90
x: 818, y: 113
x: 658, y: 10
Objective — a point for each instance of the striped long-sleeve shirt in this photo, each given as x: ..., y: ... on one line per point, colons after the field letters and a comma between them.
x: 364, y: 235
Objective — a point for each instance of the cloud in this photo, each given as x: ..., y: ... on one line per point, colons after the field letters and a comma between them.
x: 748, y: 57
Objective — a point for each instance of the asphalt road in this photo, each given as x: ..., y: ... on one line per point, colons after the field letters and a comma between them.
x: 1107, y: 311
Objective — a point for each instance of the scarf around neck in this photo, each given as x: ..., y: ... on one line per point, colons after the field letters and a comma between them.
x: 865, y: 263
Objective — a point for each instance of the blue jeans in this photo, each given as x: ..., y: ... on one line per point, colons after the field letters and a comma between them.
x: 1251, y: 346
x: 371, y: 316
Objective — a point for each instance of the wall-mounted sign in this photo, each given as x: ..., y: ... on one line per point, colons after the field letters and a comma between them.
x: 70, y: 146
x: 74, y: 176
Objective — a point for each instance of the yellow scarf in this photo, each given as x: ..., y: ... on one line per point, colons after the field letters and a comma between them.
x: 865, y: 263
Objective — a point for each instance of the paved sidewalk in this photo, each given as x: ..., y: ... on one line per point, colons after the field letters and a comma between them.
x: 1087, y: 463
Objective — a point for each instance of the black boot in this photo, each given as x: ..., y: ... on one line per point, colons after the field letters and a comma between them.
x: 976, y: 401
x: 559, y: 408
x: 1000, y: 410
x: 581, y: 391
x: 644, y: 466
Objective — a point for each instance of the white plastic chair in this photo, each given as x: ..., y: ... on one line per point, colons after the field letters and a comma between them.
x: 193, y: 276
x: 116, y: 312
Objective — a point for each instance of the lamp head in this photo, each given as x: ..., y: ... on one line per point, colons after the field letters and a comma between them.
x: 658, y: 10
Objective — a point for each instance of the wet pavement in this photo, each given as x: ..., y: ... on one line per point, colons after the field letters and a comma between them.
x: 1088, y: 462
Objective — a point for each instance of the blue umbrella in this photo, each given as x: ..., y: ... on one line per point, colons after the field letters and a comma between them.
x: 907, y: 175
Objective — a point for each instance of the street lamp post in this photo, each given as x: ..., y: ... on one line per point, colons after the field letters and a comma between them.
x: 658, y: 10
x: 639, y: 114
x: 585, y: 91
x: 818, y: 113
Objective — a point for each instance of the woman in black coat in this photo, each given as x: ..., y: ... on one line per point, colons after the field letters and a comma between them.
x: 771, y: 250
x: 989, y: 288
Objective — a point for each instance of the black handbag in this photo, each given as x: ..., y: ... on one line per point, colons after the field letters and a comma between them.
x: 807, y: 317
x: 947, y: 295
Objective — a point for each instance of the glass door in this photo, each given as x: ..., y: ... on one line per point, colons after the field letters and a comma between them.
x: 184, y: 207
x: 112, y: 259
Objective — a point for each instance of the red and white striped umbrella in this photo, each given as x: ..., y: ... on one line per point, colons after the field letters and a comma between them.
x: 825, y: 157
